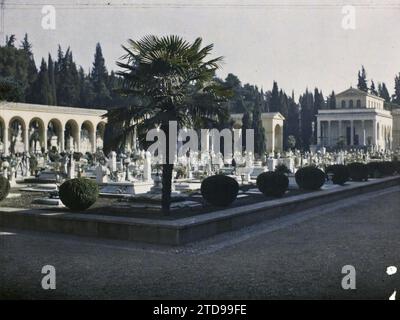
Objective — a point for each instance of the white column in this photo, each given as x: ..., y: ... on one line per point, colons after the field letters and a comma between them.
x: 363, y: 132
x: 319, y: 142
x: 6, y: 138
x: 62, y: 142
x: 374, y: 133
x: 45, y: 139
x: 340, y: 129
x: 329, y: 133
x: 78, y: 142
x: 351, y: 132
x: 26, y: 138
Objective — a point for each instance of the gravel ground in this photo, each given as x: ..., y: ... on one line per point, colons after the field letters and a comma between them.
x: 299, y: 256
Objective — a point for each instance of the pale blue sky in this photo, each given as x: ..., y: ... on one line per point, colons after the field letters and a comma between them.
x: 297, y: 43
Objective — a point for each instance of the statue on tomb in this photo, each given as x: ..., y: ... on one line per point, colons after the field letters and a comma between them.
x: 85, y: 141
x: 18, y: 145
x: 102, y: 172
x: 69, y: 145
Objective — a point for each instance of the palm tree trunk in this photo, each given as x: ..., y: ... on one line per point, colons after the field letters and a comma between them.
x: 166, y: 174
x: 166, y: 187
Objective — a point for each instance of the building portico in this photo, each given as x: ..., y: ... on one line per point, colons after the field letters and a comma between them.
x: 35, y: 128
x: 359, y: 120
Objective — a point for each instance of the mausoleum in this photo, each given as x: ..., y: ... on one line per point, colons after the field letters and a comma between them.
x: 272, y: 123
x: 359, y: 120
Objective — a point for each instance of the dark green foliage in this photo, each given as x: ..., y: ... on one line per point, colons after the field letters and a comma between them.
x: 273, y: 184
x: 362, y: 80
x: 383, y: 92
x: 99, y: 78
x: 281, y: 168
x: 79, y: 193
x: 53, y: 154
x: 331, y: 103
x: 219, y: 190
x: 340, y: 173
x: 4, y: 188
x: 307, y: 116
x: 310, y: 178
x: 259, y: 132
x: 77, y: 156
x: 372, y: 89
x: 41, y: 92
x: 396, y: 96
x: 378, y: 169
x: 358, y: 171
x: 11, y: 89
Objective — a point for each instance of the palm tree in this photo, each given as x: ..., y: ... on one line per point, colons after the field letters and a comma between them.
x: 170, y: 81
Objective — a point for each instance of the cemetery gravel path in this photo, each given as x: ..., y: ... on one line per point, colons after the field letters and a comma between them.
x: 299, y: 256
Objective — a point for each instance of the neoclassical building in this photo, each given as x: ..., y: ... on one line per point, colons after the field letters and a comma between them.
x: 273, y: 125
x: 32, y: 127
x: 358, y: 120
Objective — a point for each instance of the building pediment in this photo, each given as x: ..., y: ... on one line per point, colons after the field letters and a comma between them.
x: 352, y: 92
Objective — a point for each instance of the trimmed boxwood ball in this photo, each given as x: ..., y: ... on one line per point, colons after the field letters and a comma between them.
x: 219, y: 190
x: 310, y: 178
x: 340, y: 173
x: 79, y: 193
x: 4, y: 188
x: 373, y: 169
x: 358, y: 171
x: 387, y: 168
x: 272, y: 184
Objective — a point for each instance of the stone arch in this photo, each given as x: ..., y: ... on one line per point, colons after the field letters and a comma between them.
x: 71, y: 135
x: 278, y: 138
x: 100, y: 130
x: 87, y: 137
x: 55, y: 134
x: 36, y: 135
x: 17, y: 135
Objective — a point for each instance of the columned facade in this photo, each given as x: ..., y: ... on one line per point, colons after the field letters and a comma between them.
x: 39, y: 128
x: 359, y: 120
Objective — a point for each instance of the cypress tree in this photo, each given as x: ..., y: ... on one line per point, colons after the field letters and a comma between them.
x: 396, y: 96
x: 246, y: 124
x: 372, y: 89
x: 32, y: 72
x: 41, y: 86
x: 52, y: 82
x: 332, y: 101
x: 259, y: 132
x: 362, y: 80
x: 383, y: 92
x: 99, y: 78
x: 274, y: 105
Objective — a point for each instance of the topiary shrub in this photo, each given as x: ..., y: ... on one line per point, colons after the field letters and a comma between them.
x: 358, y: 171
x: 272, y: 184
x: 340, y: 173
x: 374, y: 170
x: 387, y: 168
x: 282, y: 168
x: 79, y: 193
x: 4, y: 188
x: 219, y: 190
x: 310, y: 178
